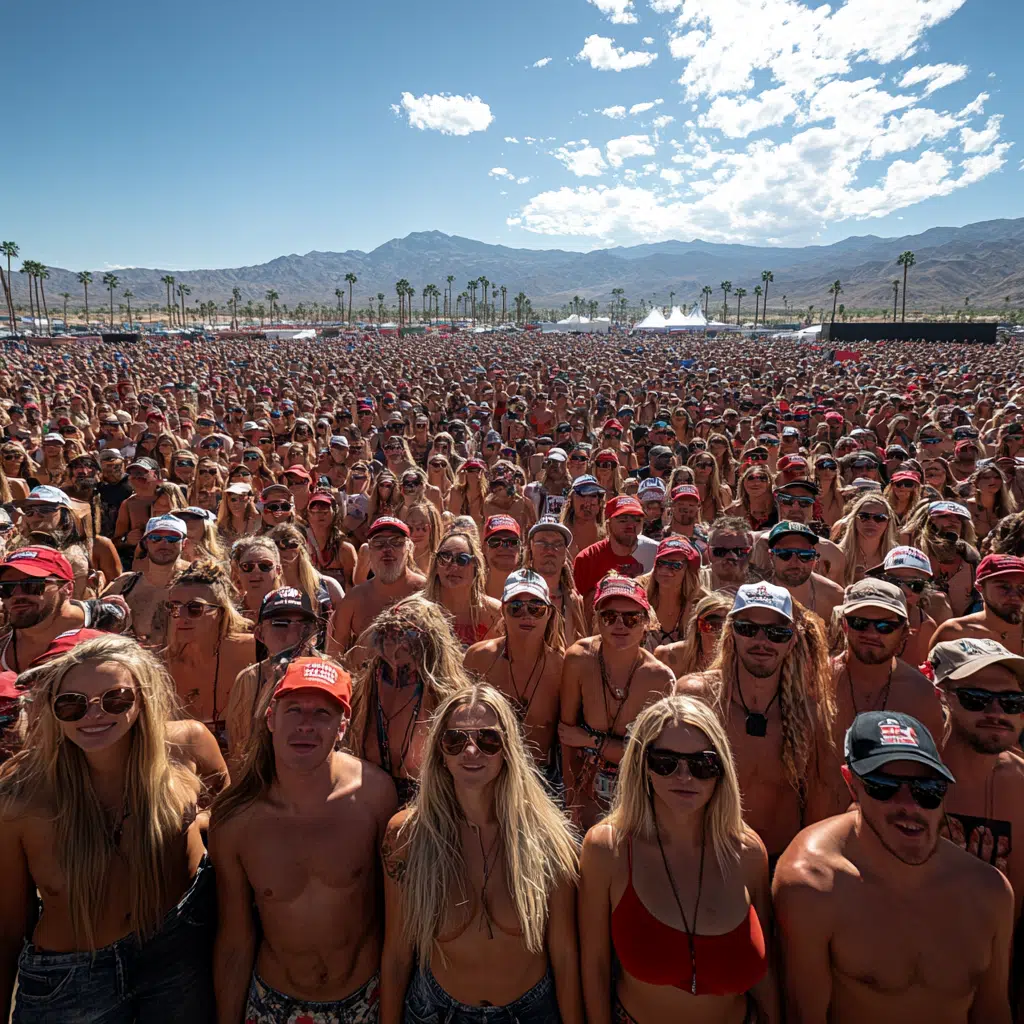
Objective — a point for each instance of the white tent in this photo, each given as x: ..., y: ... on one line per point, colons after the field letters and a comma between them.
x: 576, y: 324
x: 654, y: 321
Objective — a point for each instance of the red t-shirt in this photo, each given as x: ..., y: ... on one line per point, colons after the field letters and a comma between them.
x: 595, y: 562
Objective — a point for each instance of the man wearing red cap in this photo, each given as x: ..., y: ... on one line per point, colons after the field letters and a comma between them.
x: 298, y: 837
x: 1000, y: 580
x: 624, y: 550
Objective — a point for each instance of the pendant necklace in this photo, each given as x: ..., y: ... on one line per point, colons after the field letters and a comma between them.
x: 691, y: 932
x: 757, y: 721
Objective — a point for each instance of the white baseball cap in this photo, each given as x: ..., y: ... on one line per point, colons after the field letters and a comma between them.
x: 165, y: 524
x: 525, y: 583
x: 651, y: 489
x: 763, y: 595
x: 907, y: 558
x: 948, y: 508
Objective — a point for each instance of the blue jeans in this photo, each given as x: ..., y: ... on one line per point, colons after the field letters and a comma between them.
x: 167, y: 979
x: 427, y: 1003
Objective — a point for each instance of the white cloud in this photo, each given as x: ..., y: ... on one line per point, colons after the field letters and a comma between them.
x: 542, y: 63
x: 583, y: 162
x: 512, y: 139
x: 937, y: 76
x: 523, y: 181
x: 976, y: 106
x: 618, y: 12
x: 627, y: 147
x: 979, y: 142
x: 604, y: 55
x: 671, y: 175
x: 738, y: 118
x: 648, y: 40
x: 614, y: 112
x: 450, y: 115
x: 663, y: 121
x: 642, y: 108
x: 501, y: 172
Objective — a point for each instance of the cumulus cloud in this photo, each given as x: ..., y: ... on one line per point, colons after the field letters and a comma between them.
x: 582, y: 160
x: 933, y: 76
x: 542, y: 63
x: 450, y: 115
x: 512, y: 139
x: 648, y: 40
x: 642, y: 108
x: 523, y: 181
x: 604, y: 55
x: 501, y: 172
x: 613, y: 112
x: 976, y: 106
x: 618, y: 12
x: 663, y: 121
x: 627, y: 147
x: 737, y: 118
x: 979, y: 142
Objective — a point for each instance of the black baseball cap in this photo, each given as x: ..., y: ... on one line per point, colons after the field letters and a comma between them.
x: 878, y: 737
x: 798, y: 485
x: 286, y: 599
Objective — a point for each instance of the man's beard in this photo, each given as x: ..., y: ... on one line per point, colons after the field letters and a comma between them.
x: 794, y: 577
x: 163, y: 557
x: 993, y: 744
x: 29, y: 617
x: 872, y: 656
x: 758, y: 669
x: 83, y: 489
x: 390, y: 573
x: 1012, y: 615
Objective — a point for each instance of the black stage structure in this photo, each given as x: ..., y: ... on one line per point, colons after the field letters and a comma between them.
x: 850, y: 334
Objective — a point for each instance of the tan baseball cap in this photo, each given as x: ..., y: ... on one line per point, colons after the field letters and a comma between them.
x: 958, y: 659
x: 872, y: 593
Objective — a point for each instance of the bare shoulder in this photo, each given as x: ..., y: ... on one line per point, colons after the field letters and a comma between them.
x: 814, y: 861
x: 394, y: 847
x: 827, y: 585
x: 580, y: 651
x: 985, y: 883
x: 601, y: 845
x: 951, y: 629
x: 667, y: 653
x: 697, y: 684
x: 480, y: 656
x: 186, y: 736
x: 375, y: 785
x: 658, y: 674
x: 753, y: 857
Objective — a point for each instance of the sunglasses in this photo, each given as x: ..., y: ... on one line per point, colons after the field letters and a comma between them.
x: 629, y: 619
x: 757, y: 458
x: 792, y: 499
x: 738, y: 553
x: 758, y: 478
x: 295, y: 481
x: 438, y: 464
x: 410, y: 485
x: 931, y: 440
x: 883, y: 627
x: 251, y: 457
x: 494, y: 543
x: 253, y: 566
x: 873, y: 517
x: 704, y: 464
x: 32, y: 511
x: 613, y: 433
x: 536, y: 609
x: 460, y: 558
x: 191, y: 609
x: 973, y: 698
x: 826, y: 464
x: 31, y: 588
x: 703, y: 765
x: 711, y: 624
x: 473, y: 469
x: 278, y: 506
x: 774, y: 634
x: 286, y: 623
x: 207, y: 472
x: 914, y: 586
x: 73, y: 707
x: 265, y: 440
x: 905, y: 485
x: 163, y: 538
x: 582, y: 458
x: 488, y: 741
x: 358, y: 477
x: 183, y: 464
x: 787, y: 554
x: 926, y: 793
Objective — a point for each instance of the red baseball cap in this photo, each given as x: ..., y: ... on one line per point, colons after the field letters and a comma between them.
x: 681, y: 491
x: 998, y: 565
x: 678, y: 547
x: 64, y: 642
x: 612, y: 424
x: 315, y: 675
x: 322, y: 498
x: 501, y: 524
x: 834, y: 417
x: 300, y: 471
x: 474, y: 464
x: 8, y: 689
x: 614, y: 585
x: 606, y: 455
x: 388, y: 523
x: 623, y: 505
x: 905, y: 474
x: 39, y: 562
x: 791, y: 463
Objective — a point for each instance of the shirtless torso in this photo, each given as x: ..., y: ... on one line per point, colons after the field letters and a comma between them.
x: 145, y: 593
x: 362, y: 604
x: 982, y: 624
x: 203, y: 678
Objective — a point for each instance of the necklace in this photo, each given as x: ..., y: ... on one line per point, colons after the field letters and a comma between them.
x: 883, y: 693
x: 485, y: 916
x: 618, y: 694
x: 691, y: 932
x: 757, y: 721
x: 523, y: 699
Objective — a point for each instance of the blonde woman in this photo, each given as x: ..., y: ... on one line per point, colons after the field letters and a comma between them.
x: 675, y: 840
x: 237, y: 515
x: 480, y: 881
x: 457, y: 581
x: 98, y: 820
x: 754, y: 498
x: 202, y: 541
x: 903, y: 493
x: 991, y: 500
x: 332, y: 554
x: 466, y: 497
x: 167, y: 497
x: 866, y: 535
x: 441, y: 479
x: 414, y: 665
x: 721, y: 450
x: 830, y: 495
x: 298, y: 570
x: 715, y: 496
x: 703, y: 631
x: 385, y: 497
x: 425, y: 529
x: 255, y: 571
x: 53, y: 469
x: 15, y: 473
x: 673, y: 588
x: 608, y: 471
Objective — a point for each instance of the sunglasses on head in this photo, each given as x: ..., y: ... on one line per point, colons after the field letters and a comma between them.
x: 787, y: 554
x: 191, y: 609
x: 873, y: 517
x: 31, y: 588
x: 974, y: 698
x: 774, y: 634
x: 535, y: 608
x: 629, y: 619
x: 460, y: 558
x: 702, y: 765
x: 277, y: 506
x: 926, y: 793
x: 488, y: 741
x: 73, y: 707
x: 884, y: 627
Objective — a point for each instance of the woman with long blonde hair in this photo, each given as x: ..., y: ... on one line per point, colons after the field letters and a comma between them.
x: 480, y: 881
x: 903, y: 493
x: 255, y: 571
x: 703, y: 632
x: 202, y: 542
x: 991, y: 499
x: 98, y: 819
x: 673, y: 587
x: 205, y: 489
x: 324, y: 592
x: 868, y: 534
x: 715, y: 496
x: 425, y: 529
x: 754, y: 500
x: 830, y: 494
x: 415, y: 663
x: 237, y: 515
x: 457, y: 581
x: 675, y: 839
x: 467, y: 495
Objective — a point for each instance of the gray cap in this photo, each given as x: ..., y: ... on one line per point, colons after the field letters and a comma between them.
x: 552, y: 525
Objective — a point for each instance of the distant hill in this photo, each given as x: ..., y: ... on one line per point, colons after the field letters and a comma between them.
x: 984, y: 261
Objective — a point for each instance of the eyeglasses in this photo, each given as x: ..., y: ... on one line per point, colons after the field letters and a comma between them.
x: 792, y: 499
x: 973, y: 698
x: 536, y: 608
x: 494, y: 543
x: 787, y: 554
x: 73, y: 707
x: 737, y: 553
x: 914, y: 586
x: 629, y: 619
x: 758, y: 478
x: 383, y: 544
x: 34, y: 511
x: 357, y: 477
x: 264, y: 567
x: 163, y: 538
x: 873, y: 517
x: 31, y: 588
x: 702, y: 765
x: 460, y: 558
x: 488, y: 741
x: 191, y: 609
x: 883, y: 627
x: 277, y: 506
x: 774, y: 634
x: 926, y: 793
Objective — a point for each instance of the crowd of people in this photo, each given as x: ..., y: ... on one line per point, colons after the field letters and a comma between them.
x: 466, y: 679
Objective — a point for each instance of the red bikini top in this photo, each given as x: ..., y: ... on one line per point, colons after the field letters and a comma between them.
x: 654, y: 953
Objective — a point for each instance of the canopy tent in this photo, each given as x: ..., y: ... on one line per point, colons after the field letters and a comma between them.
x: 577, y: 324
x: 654, y: 321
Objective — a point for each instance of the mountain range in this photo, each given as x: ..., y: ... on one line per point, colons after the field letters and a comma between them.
x: 982, y: 261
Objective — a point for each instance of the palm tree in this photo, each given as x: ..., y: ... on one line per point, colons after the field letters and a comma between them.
x: 128, y: 296
x: 895, y: 297
x: 65, y: 296
x: 42, y: 273
x: 338, y: 293
x: 842, y: 312
x: 520, y: 301
x: 272, y: 298
x: 28, y: 268
x: 906, y: 260
x: 707, y: 291
x: 726, y: 287
x: 236, y: 295
x: 617, y: 294
x: 351, y: 279
x: 767, y: 277
x: 261, y: 312
x: 504, y: 303
x: 671, y: 300
x: 451, y: 280
x: 834, y: 290
x: 168, y: 281
x: 110, y: 281
x: 380, y: 308
x: 757, y: 299
x: 84, y: 279
x: 10, y: 250
x: 740, y: 292
x: 183, y: 290
x: 967, y: 307
x: 484, y: 283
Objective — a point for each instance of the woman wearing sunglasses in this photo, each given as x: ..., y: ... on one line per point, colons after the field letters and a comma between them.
x: 830, y: 495
x: 675, y: 840
x: 414, y: 665
x: 703, y: 631
x: 608, y: 472
x: 182, y: 469
x: 673, y: 588
x: 332, y: 553
x: 456, y: 580
x: 100, y: 823
x: 715, y: 496
x: 903, y: 493
x: 991, y: 499
x: 480, y: 881
x: 254, y: 460
x: 255, y: 571
x: 440, y: 479
x: 53, y: 465
x: 385, y: 496
x: 425, y: 529
x: 754, y: 502
x: 467, y: 496
x: 397, y: 456
x: 865, y: 535
x: 298, y: 570
x: 17, y: 473
x: 206, y: 487
x: 237, y: 516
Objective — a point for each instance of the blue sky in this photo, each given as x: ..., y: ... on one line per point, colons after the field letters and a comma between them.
x: 227, y: 133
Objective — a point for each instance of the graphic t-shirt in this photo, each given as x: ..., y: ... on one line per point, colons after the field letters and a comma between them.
x: 598, y: 560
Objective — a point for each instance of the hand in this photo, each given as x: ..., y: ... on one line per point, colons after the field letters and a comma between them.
x: 574, y: 736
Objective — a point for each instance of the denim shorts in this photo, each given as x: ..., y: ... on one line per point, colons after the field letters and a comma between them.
x: 427, y: 1003
x: 167, y: 979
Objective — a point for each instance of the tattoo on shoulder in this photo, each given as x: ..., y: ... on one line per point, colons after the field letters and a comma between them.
x: 394, y: 863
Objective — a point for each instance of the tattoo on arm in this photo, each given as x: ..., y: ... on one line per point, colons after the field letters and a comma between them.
x: 394, y: 864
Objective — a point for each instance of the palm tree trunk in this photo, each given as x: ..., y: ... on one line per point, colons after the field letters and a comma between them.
x: 111, y: 310
x: 7, y: 298
x: 764, y: 307
x: 903, y: 315
x: 46, y: 312
x: 350, y: 303
x: 85, y: 288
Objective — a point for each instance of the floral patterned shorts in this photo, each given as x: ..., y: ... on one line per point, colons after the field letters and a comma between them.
x: 268, y: 1006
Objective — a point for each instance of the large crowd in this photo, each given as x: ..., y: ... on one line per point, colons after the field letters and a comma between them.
x: 511, y: 679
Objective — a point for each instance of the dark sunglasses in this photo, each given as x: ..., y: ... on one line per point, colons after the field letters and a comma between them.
x: 739, y: 553
x: 914, y: 586
x: 711, y: 623
x: 183, y: 463
x: 825, y: 464
x: 774, y: 634
x: 286, y: 545
x: 884, y: 627
x: 629, y: 619
x: 926, y: 793
x: 787, y: 554
x: 702, y: 765
x: 488, y: 741
x: 613, y: 433
x: 191, y: 609
x: 278, y: 506
x: 670, y: 564
x: 31, y: 511
x: 460, y: 558
x: 873, y: 517
x: 253, y: 566
x: 518, y: 608
x: 251, y: 457
x: 756, y: 458
x: 494, y: 543
x: 904, y: 485
x: 932, y: 440
x: 438, y: 463
x: 207, y: 472
x: 973, y: 698
x: 31, y: 588
x: 73, y: 707
x: 792, y: 499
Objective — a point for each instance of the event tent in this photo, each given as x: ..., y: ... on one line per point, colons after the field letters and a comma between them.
x: 577, y: 324
x: 654, y: 321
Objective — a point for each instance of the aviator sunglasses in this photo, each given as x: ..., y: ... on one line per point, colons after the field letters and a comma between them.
x: 488, y: 741
x: 702, y: 765
x: 926, y: 793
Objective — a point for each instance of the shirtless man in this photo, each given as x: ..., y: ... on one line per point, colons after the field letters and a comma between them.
x: 985, y: 809
x: 503, y: 551
x: 880, y: 919
x: 1000, y: 579
x: 524, y: 664
x: 607, y: 680
x: 302, y: 845
x: 548, y: 546
x: 782, y: 788
x: 391, y: 561
x: 793, y: 552
x: 143, y: 476
x: 729, y: 545
x: 146, y: 590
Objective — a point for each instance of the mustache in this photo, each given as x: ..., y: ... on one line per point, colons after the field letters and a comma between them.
x: 907, y: 819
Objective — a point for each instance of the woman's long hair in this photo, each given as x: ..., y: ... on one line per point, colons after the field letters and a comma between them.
x: 714, y: 484
x: 742, y: 497
x: 807, y: 700
x: 694, y: 656
x: 917, y: 526
x: 209, y: 546
x: 377, y: 506
x: 690, y: 588
x: 1005, y: 503
x: 632, y: 811
x: 27, y: 468
x: 250, y: 517
x: 890, y: 493
x: 308, y: 578
x: 539, y: 849
x: 194, y: 491
x: 848, y: 541
x: 567, y: 584
x: 432, y: 589
x: 213, y: 575
x: 52, y: 770
x: 1006, y: 537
